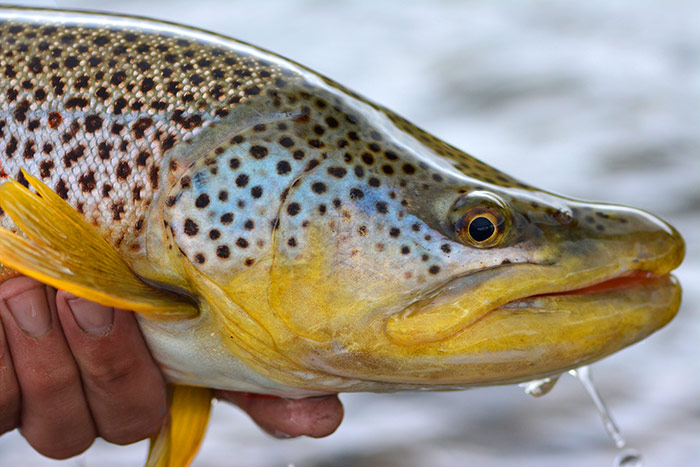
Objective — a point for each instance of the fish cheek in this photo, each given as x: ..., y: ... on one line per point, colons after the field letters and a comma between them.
x: 342, y: 274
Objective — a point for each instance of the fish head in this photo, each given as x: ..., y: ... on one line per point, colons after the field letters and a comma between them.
x: 430, y: 274
x: 388, y: 267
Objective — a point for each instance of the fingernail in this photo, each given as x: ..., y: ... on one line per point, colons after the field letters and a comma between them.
x: 31, y: 312
x: 92, y: 317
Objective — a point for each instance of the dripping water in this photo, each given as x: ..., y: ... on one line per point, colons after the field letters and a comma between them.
x: 539, y: 387
x: 628, y: 457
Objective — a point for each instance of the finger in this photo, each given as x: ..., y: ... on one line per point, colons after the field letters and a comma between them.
x: 288, y: 418
x: 9, y: 388
x: 123, y: 385
x: 55, y: 418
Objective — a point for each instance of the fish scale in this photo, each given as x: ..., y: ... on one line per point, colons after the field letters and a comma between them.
x: 92, y: 107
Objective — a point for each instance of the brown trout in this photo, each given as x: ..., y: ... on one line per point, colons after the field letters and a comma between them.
x: 280, y: 234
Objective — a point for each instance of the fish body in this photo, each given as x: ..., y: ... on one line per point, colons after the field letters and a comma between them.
x: 300, y: 239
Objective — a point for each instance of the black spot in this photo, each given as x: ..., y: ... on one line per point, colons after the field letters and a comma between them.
x: 338, y: 172
x: 256, y: 192
x: 242, y: 180
x: 286, y: 141
x: 223, y: 251
x: 374, y: 182
x: 252, y: 90
x: 356, y: 194
x: 322, y: 209
x: 101, y: 41
x: 34, y: 65
x: 242, y: 242
x: 394, y: 232
x: 359, y: 171
x: 118, y: 78
x: 214, y: 234
x: 337, y: 203
x: 368, y: 158
x: 123, y: 170
x: 293, y: 209
x: 140, y: 126
x: 45, y: 168
x: 191, y: 227
x: 199, y: 258
x: 292, y: 242
x: 202, y: 201
x: 143, y: 65
x: 387, y: 169
x: 227, y: 218
x: 319, y: 187
x: 234, y: 163
x: 405, y: 250
x: 258, y: 152
x: 223, y: 195
x: 445, y: 248
x: 382, y: 207
x: 71, y: 61
x: 93, y: 123
x: 87, y: 181
x: 249, y: 224
x: 434, y: 269
x: 147, y: 84
x: 283, y: 168
x: 408, y: 169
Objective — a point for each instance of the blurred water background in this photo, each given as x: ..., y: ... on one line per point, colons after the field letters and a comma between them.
x: 595, y: 99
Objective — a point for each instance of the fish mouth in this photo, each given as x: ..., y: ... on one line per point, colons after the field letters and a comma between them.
x: 620, y: 284
x: 461, y: 303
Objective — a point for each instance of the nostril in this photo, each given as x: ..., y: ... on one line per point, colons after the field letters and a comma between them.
x: 563, y: 217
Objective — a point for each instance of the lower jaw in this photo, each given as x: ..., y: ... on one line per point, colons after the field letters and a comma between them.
x: 546, y: 335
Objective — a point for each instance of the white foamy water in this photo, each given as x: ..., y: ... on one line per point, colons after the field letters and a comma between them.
x: 595, y: 99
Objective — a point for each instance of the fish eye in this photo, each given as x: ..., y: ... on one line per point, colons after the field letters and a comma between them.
x: 480, y: 222
x: 481, y: 228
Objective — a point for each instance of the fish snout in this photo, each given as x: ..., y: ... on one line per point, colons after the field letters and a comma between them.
x: 640, y: 240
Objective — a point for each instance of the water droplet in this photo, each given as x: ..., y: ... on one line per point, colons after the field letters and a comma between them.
x: 628, y: 457
x: 539, y: 387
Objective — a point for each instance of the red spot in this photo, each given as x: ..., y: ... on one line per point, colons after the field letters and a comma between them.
x: 55, y: 119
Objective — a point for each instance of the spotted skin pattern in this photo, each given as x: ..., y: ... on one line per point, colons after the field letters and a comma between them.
x: 316, y: 213
x: 92, y: 109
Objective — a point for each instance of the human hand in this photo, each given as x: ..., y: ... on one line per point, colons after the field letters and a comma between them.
x: 72, y: 370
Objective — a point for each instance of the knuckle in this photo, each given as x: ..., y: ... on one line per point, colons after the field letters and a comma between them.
x: 44, y: 384
x: 108, y: 373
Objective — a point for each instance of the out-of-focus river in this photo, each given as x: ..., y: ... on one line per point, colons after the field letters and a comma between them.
x: 594, y: 99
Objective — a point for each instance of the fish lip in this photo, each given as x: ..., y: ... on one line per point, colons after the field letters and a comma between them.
x: 614, y: 284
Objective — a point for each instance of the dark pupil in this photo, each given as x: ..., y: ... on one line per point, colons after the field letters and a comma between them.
x: 481, y: 229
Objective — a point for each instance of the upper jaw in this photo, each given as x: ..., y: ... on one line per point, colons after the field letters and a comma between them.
x: 462, y: 301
